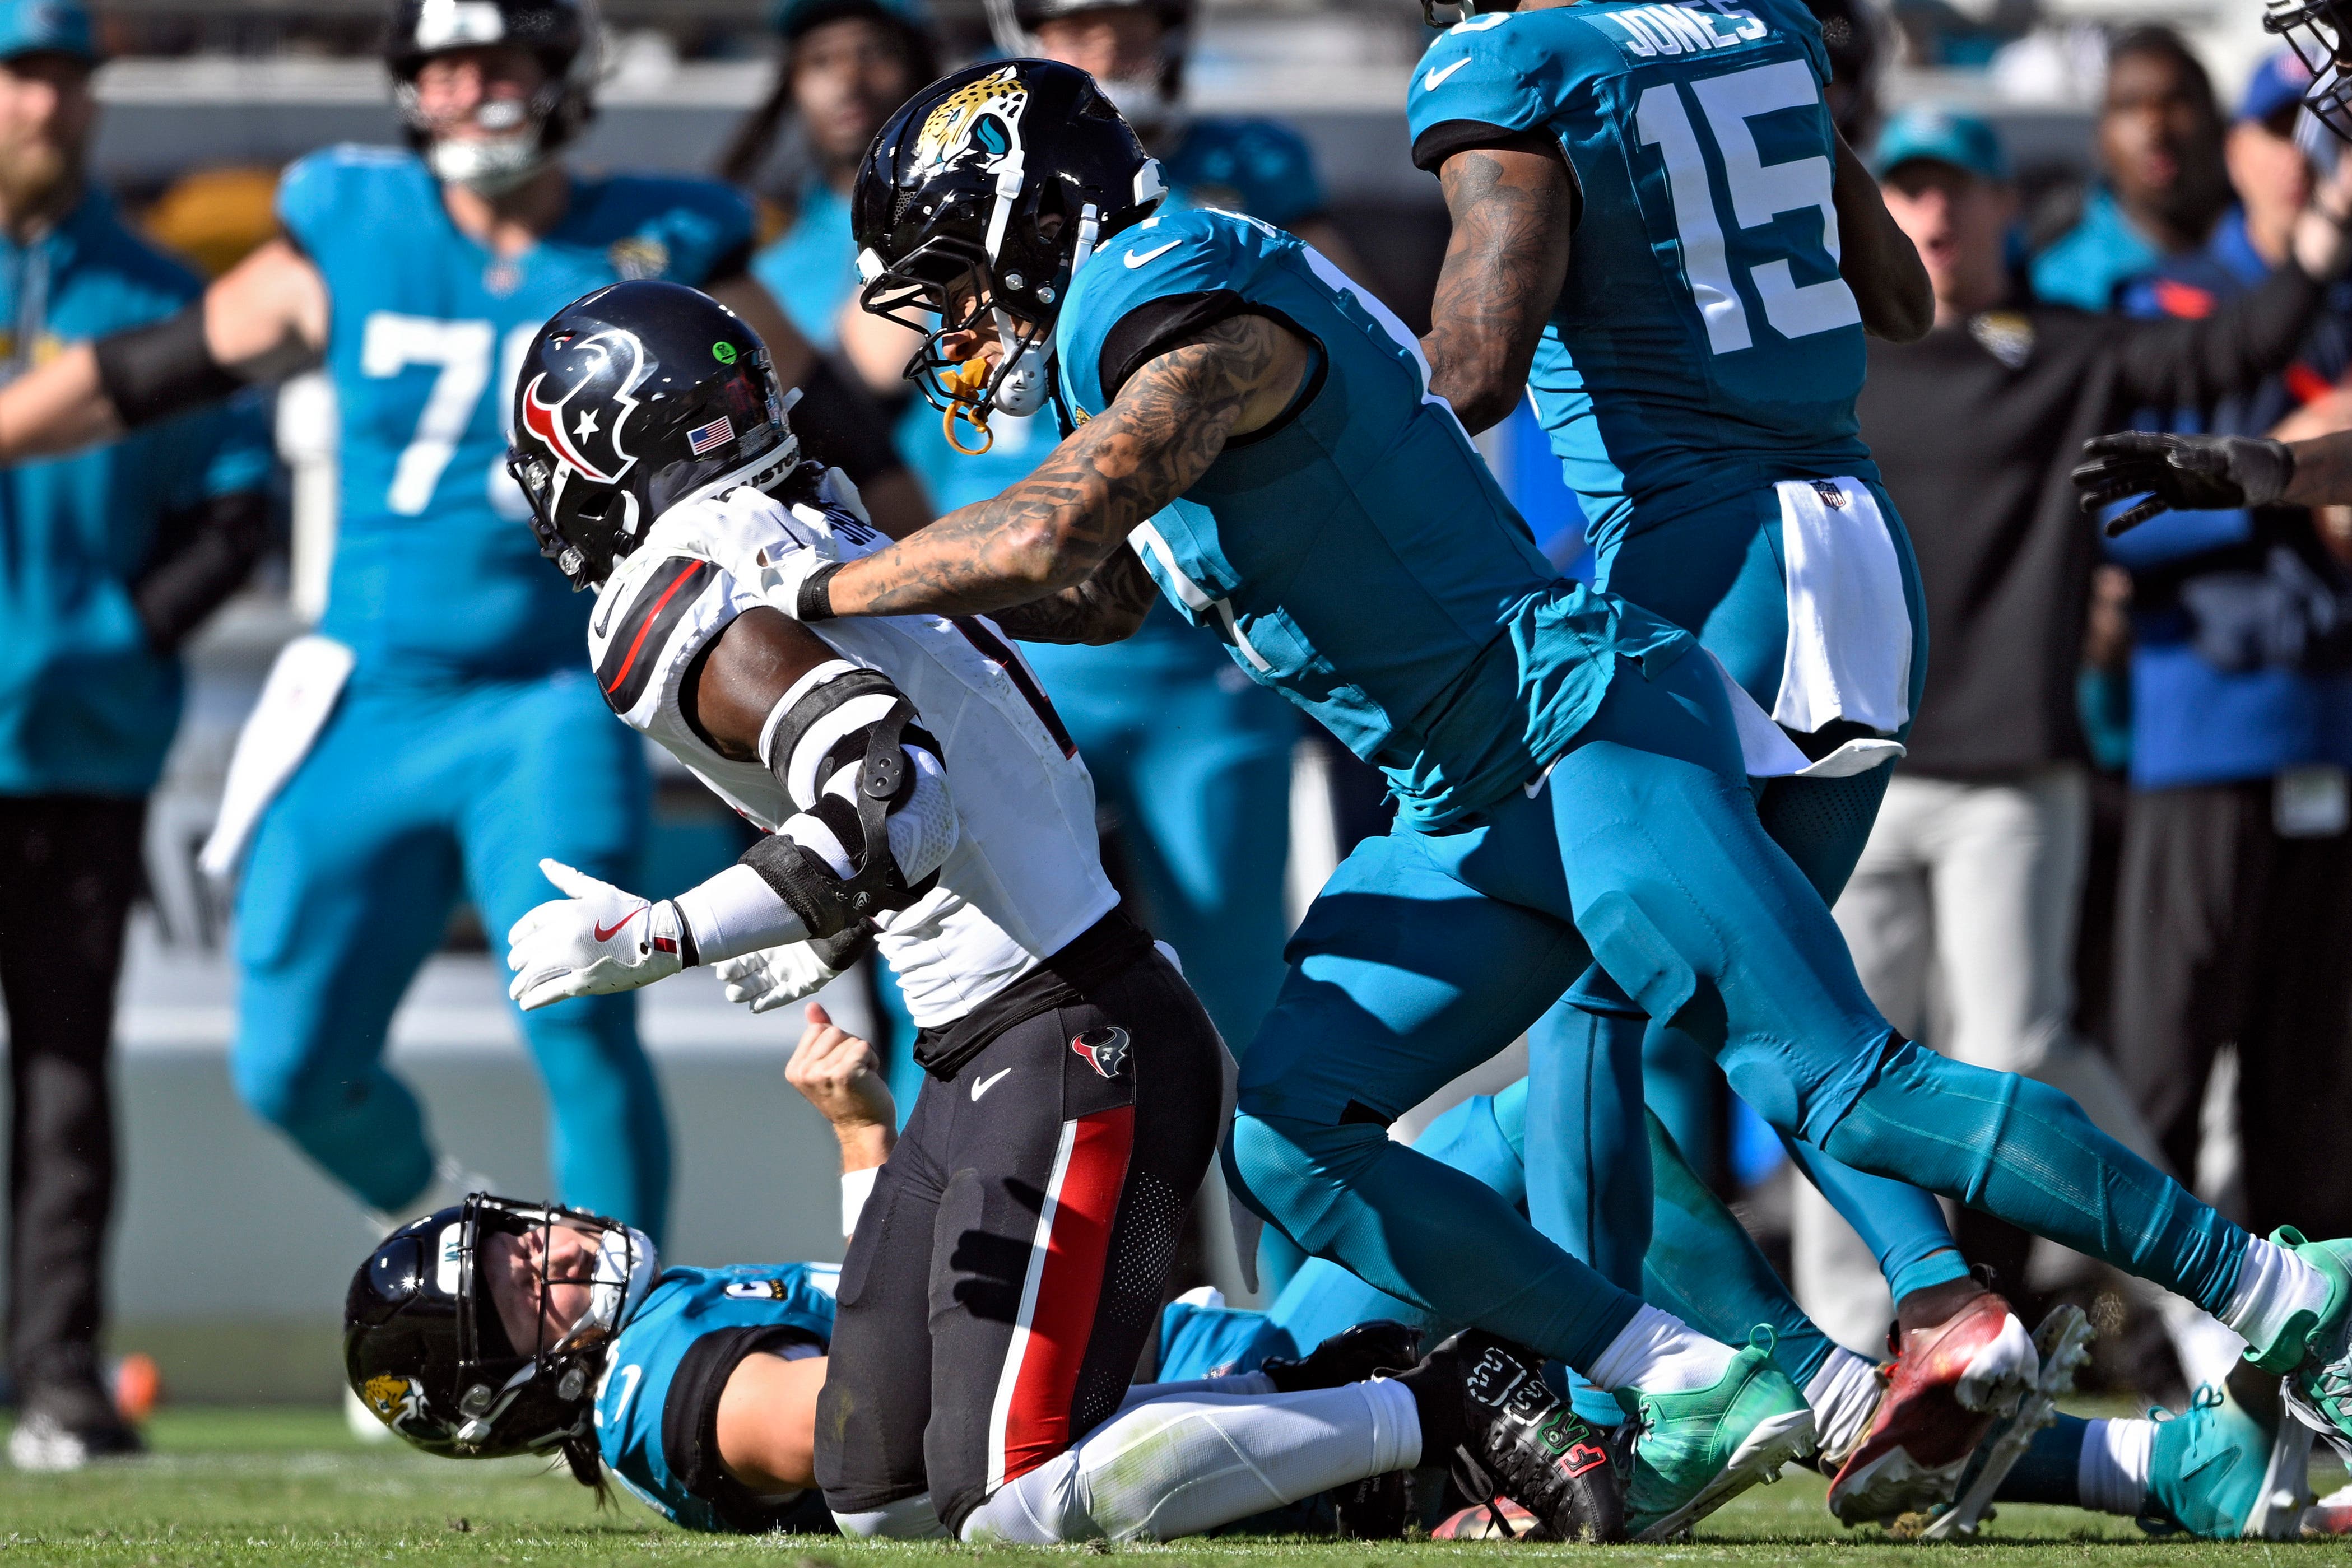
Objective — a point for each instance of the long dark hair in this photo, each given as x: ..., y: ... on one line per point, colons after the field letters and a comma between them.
x: 746, y: 152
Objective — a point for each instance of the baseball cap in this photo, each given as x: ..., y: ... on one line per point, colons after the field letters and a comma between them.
x: 47, y: 27
x: 1960, y: 139
x: 2277, y: 82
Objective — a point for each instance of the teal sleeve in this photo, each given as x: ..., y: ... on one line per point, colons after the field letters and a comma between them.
x: 1176, y: 253
x: 307, y: 195
x: 1492, y: 70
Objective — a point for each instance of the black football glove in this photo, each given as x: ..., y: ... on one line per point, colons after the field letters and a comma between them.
x: 2180, y: 472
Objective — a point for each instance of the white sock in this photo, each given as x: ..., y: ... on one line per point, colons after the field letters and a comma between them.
x: 2273, y: 1284
x: 2112, y: 1475
x: 2207, y: 1350
x: 1844, y: 1395
x: 1188, y: 1463
x: 1659, y: 1354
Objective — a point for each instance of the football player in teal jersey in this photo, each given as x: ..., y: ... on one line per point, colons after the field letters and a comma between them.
x: 1660, y: 237
x: 465, y: 743
x: 1255, y: 438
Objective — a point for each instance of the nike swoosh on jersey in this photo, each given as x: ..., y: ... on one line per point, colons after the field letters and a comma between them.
x: 1138, y: 257
x: 1434, y: 78
x: 983, y: 1085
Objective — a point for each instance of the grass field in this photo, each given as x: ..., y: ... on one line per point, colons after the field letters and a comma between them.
x: 287, y: 1487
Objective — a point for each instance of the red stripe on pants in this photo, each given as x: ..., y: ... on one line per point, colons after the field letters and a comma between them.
x: 1060, y: 1318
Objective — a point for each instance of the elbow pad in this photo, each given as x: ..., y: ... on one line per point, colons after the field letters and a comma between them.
x: 875, y: 821
x: 164, y: 368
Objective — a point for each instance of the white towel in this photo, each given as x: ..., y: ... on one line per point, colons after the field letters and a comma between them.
x: 295, y: 702
x: 1849, y: 650
x: 1768, y: 753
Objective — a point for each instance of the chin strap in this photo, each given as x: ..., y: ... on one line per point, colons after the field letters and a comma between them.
x: 964, y: 385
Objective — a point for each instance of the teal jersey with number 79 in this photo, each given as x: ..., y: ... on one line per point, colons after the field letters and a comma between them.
x: 1704, y: 344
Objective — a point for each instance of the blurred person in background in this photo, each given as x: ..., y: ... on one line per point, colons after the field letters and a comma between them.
x: 2162, y: 181
x: 1975, y: 864
x: 462, y: 743
x: 2236, y: 890
x: 108, y: 561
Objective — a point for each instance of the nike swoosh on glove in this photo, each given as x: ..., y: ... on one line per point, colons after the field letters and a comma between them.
x: 778, y: 976
x: 2179, y: 472
x: 598, y: 940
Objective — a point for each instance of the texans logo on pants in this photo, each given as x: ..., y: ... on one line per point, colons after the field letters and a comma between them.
x: 1105, y: 1049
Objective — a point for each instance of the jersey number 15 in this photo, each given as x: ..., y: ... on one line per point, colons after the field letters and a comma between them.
x: 1759, y: 193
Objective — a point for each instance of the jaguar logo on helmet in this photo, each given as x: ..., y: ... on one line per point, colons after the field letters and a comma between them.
x: 395, y: 1400
x: 981, y: 116
x: 581, y: 442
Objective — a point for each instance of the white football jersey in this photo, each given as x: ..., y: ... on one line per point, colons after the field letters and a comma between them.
x: 1026, y: 877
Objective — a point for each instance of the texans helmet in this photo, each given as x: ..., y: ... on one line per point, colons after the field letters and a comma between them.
x: 564, y: 33
x: 425, y: 1349
x: 980, y: 199
x: 631, y: 400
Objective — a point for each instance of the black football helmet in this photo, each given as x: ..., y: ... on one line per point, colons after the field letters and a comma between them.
x: 424, y: 1349
x: 632, y: 399
x: 982, y: 197
x: 2316, y: 31
x: 564, y: 33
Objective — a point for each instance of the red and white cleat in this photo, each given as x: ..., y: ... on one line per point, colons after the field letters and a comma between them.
x: 1501, y: 1520
x: 1947, y: 1385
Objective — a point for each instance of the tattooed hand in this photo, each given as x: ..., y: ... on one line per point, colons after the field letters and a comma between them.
x: 1513, y: 205
x: 1050, y: 533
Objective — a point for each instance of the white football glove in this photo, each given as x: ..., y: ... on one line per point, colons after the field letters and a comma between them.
x: 837, y: 487
x: 598, y: 940
x: 777, y: 977
x: 774, y: 976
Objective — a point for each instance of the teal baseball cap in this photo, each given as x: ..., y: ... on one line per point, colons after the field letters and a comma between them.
x: 1940, y: 136
x: 47, y: 27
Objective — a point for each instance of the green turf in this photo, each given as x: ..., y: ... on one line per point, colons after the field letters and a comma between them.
x: 289, y: 1488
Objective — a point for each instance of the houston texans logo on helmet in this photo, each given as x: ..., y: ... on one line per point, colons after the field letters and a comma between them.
x: 1104, y: 1050
x: 583, y: 441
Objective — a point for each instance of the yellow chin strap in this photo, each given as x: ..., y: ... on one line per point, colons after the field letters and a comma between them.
x: 964, y: 385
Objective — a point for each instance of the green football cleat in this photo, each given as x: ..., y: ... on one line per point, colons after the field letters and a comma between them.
x: 2314, y: 1350
x: 2206, y: 1473
x: 1694, y: 1452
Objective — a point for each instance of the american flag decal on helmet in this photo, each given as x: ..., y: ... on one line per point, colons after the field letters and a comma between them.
x: 703, y: 438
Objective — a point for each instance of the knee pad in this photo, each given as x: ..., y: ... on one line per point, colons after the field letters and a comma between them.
x: 908, y: 1519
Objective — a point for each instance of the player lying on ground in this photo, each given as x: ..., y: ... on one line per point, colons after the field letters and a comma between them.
x: 920, y: 793
x: 1257, y: 438
x: 699, y: 1388
x: 2200, y: 1471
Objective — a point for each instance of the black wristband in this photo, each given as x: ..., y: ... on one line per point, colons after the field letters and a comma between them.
x: 815, y: 601
x: 164, y: 368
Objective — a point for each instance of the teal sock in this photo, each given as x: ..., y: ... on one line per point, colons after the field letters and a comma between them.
x: 2050, y: 1470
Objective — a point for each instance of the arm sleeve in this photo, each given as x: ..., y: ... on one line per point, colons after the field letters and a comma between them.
x: 202, y: 554
x: 1147, y: 329
x: 2193, y: 364
x: 689, y: 1423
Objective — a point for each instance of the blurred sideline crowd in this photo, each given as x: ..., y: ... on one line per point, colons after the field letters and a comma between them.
x: 2116, y: 858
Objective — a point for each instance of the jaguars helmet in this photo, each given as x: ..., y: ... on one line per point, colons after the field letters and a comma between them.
x: 631, y: 400
x: 564, y: 33
x: 426, y: 1350
x: 980, y: 200
x: 2317, y: 32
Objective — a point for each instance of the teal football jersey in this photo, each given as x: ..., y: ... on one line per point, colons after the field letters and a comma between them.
x: 1704, y: 344
x: 1356, y: 555
x: 684, y: 1305
x: 437, y: 574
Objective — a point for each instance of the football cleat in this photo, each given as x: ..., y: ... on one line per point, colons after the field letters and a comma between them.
x: 2314, y: 1350
x: 1948, y: 1383
x: 1694, y: 1452
x: 1355, y: 1354
x: 2207, y: 1471
x: 1374, y: 1508
x: 1523, y: 1443
x: 2061, y: 1345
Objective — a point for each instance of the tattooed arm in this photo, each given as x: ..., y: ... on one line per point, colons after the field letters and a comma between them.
x: 1055, y: 544
x: 1512, y: 204
x: 1876, y: 258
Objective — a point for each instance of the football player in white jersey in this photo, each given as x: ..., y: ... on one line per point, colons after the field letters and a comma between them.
x: 919, y: 791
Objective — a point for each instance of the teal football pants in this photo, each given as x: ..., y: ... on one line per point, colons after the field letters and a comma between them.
x: 1595, y: 1059
x: 411, y: 798
x: 1427, y: 952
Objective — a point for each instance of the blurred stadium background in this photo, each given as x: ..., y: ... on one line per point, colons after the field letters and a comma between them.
x: 231, y: 1253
